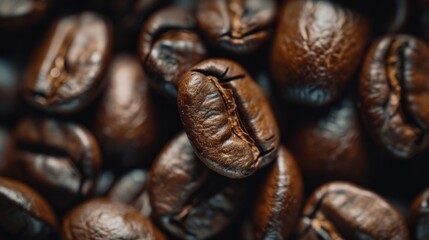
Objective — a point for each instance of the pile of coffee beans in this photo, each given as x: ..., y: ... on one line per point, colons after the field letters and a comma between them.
x: 214, y: 119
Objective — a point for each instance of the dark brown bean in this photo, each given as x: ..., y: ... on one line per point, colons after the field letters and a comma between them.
x: 67, y: 71
x: 169, y: 46
x: 393, y: 91
x: 187, y: 198
x: 239, y: 26
x: 340, y: 210
x: 59, y: 159
x: 317, y: 48
x: 332, y: 146
x: 278, y: 205
x: 102, y: 219
x: 24, y: 214
x: 125, y: 122
x: 227, y: 118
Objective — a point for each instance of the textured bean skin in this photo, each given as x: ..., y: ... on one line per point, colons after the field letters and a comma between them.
x: 279, y: 201
x: 332, y: 146
x: 24, y: 214
x: 340, y: 210
x: 227, y: 118
x: 67, y: 70
x: 238, y: 26
x: 125, y: 122
x: 101, y: 219
x: 59, y: 159
x: 317, y: 48
x: 22, y: 13
x: 394, y: 94
x: 419, y: 217
x: 187, y: 198
x: 169, y: 45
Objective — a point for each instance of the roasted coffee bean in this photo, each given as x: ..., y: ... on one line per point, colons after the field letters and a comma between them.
x: 419, y: 217
x: 24, y: 214
x: 332, y: 146
x: 340, y: 210
x: 61, y: 160
x: 239, y: 26
x: 187, y: 198
x: 22, y: 13
x: 393, y: 91
x: 169, y: 46
x: 125, y: 123
x: 67, y: 71
x: 102, y: 219
x: 279, y: 201
x: 317, y: 48
x: 227, y: 118
x: 131, y: 189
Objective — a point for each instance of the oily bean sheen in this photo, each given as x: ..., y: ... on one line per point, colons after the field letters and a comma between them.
x: 102, y: 219
x: 169, y: 46
x: 394, y: 94
x: 239, y: 26
x: 332, y: 146
x: 125, y: 122
x: 131, y: 189
x: 22, y: 13
x: 187, y: 198
x: 66, y: 72
x: 59, y: 159
x: 317, y: 48
x: 340, y: 210
x: 279, y: 203
x: 227, y: 118
x: 24, y: 214
x: 419, y: 217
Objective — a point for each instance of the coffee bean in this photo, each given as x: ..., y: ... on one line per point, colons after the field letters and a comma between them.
x: 393, y: 91
x: 169, y: 46
x: 227, y: 118
x: 102, y: 219
x: 332, y: 146
x: 125, y: 122
x: 67, y: 70
x: 61, y: 160
x: 188, y: 199
x: 339, y: 210
x: 24, y: 214
x: 317, y: 48
x: 239, y: 26
x: 279, y: 201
